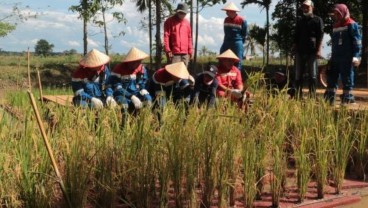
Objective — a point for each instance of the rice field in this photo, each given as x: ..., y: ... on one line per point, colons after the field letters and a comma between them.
x: 195, y: 158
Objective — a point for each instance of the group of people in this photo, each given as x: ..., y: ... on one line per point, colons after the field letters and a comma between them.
x: 346, y: 51
x: 129, y: 86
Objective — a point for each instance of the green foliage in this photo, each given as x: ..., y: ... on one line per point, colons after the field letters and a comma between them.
x: 43, y: 47
x: 6, y: 28
x: 284, y: 15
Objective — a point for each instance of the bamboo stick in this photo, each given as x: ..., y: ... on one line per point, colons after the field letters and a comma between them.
x: 29, y: 71
x: 40, y: 85
x: 48, y: 147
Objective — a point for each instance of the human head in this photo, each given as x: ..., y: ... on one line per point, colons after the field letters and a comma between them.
x: 94, y: 60
x: 340, y: 13
x: 279, y: 77
x: 227, y: 59
x: 209, y: 74
x: 134, y: 58
x: 182, y: 10
x: 307, y: 7
x: 177, y: 71
x: 231, y: 10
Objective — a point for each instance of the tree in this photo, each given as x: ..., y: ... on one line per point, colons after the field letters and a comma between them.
x: 142, y: 6
x: 266, y: 5
x: 284, y: 15
x: 86, y: 9
x: 200, y: 5
x: 43, y: 48
x: 102, y: 7
x: 257, y: 36
x: 10, y: 20
x: 5, y: 28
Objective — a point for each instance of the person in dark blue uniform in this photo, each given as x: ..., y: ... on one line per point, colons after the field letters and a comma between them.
x: 346, y: 52
x: 89, y: 79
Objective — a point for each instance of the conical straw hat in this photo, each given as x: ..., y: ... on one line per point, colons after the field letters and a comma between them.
x: 229, y: 54
x: 94, y: 58
x: 135, y: 55
x: 178, y: 70
x: 231, y: 7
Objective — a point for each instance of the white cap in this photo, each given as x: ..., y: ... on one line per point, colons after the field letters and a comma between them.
x: 308, y: 3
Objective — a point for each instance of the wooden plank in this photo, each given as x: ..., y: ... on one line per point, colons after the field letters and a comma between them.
x: 64, y: 100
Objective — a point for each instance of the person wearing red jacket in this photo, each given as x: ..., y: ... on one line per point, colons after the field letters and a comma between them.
x: 178, y: 36
x: 230, y: 83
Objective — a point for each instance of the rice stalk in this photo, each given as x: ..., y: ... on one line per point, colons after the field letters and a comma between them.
x: 343, y: 142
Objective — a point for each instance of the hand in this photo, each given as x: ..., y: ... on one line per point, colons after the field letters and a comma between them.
x: 136, y: 102
x: 191, y: 80
x: 110, y: 102
x: 169, y: 83
x: 236, y: 93
x: 143, y: 92
x: 169, y: 55
x: 356, y: 61
x: 96, y: 103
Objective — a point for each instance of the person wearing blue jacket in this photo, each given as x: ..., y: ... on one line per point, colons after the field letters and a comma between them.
x: 346, y: 52
x: 235, y: 28
x: 127, y: 83
x: 89, y: 79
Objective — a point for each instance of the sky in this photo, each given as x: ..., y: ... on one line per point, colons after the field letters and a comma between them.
x: 62, y: 28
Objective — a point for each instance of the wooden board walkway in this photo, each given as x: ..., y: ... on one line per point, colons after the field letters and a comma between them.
x: 64, y: 100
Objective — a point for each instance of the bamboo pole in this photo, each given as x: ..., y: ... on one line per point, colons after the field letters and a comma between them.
x: 40, y: 85
x: 48, y: 147
x: 29, y: 71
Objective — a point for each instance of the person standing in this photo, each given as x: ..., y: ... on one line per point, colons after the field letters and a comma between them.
x: 235, y: 28
x: 346, y: 51
x: 89, y: 79
x: 178, y: 36
x: 307, y: 47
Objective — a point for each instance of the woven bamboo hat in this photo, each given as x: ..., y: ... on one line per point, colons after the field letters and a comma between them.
x: 229, y: 54
x: 135, y: 55
x: 178, y: 70
x: 94, y: 58
x: 230, y: 7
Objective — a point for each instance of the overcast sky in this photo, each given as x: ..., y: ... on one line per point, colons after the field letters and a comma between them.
x: 61, y: 27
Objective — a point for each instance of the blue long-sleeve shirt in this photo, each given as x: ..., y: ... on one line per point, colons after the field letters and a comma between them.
x: 346, y: 42
x: 87, y: 83
x: 126, y: 82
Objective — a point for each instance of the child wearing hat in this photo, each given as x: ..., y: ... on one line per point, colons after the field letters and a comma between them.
x: 205, y: 88
x: 178, y: 36
x: 88, y: 81
x: 171, y: 82
x: 230, y: 83
x: 128, y: 80
x: 235, y: 28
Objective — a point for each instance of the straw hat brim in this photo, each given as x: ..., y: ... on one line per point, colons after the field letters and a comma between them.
x: 231, y: 7
x: 178, y: 70
x: 94, y: 58
x: 228, y: 54
x: 135, y: 55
